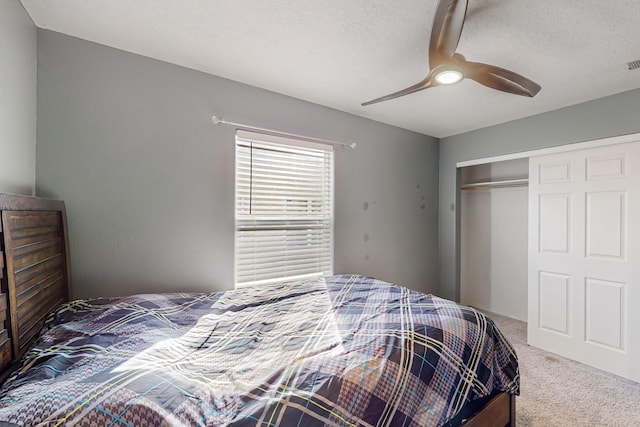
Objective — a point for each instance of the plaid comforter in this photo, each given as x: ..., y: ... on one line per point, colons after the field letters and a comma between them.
x: 342, y: 351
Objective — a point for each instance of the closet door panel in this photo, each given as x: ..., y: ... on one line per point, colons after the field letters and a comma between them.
x: 554, y: 217
x: 554, y: 293
x: 606, y: 224
x: 584, y: 256
x: 554, y: 172
x: 605, y: 307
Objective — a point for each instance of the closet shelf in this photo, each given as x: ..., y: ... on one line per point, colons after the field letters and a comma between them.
x: 496, y: 184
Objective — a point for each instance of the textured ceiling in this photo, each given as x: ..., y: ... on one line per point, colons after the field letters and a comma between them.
x: 340, y: 53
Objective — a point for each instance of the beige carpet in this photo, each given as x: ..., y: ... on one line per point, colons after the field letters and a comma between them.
x: 556, y: 391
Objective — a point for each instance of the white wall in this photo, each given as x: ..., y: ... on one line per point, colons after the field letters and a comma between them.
x: 148, y: 180
x: 493, y: 234
x: 494, y: 257
x: 18, y: 51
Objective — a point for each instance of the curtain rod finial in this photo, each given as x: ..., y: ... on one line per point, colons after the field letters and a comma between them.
x: 217, y: 120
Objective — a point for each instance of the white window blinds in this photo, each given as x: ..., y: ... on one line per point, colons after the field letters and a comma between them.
x: 284, y: 209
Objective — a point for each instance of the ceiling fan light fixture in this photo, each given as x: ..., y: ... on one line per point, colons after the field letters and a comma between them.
x: 448, y: 77
x: 447, y: 67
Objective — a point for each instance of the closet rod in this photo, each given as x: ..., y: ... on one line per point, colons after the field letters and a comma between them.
x: 507, y: 183
x: 220, y: 121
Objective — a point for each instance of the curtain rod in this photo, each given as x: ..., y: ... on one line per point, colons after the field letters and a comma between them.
x: 220, y: 121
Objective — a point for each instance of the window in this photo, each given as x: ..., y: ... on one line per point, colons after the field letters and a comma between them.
x: 284, y: 209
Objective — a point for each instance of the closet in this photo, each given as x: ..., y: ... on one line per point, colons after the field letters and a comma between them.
x: 554, y: 239
x: 493, y: 262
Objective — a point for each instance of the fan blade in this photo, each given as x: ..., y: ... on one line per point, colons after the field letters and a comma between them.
x: 446, y: 30
x: 424, y: 84
x: 501, y: 79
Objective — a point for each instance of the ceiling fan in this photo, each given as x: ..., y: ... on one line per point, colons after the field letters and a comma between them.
x: 448, y: 67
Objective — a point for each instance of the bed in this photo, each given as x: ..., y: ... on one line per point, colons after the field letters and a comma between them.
x: 345, y: 350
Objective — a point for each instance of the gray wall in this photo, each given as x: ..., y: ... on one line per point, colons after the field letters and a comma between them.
x: 148, y: 180
x: 17, y: 99
x: 605, y: 117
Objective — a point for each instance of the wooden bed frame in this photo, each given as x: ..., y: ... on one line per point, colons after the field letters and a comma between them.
x: 36, y: 277
x: 35, y: 273
x: 498, y: 411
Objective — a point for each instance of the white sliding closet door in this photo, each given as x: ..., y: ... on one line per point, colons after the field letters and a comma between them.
x: 584, y: 256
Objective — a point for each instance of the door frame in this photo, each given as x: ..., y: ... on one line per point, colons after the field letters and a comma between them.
x: 632, y: 137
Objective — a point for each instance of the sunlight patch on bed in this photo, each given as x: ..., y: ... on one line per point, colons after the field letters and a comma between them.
x: 244, y: 346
